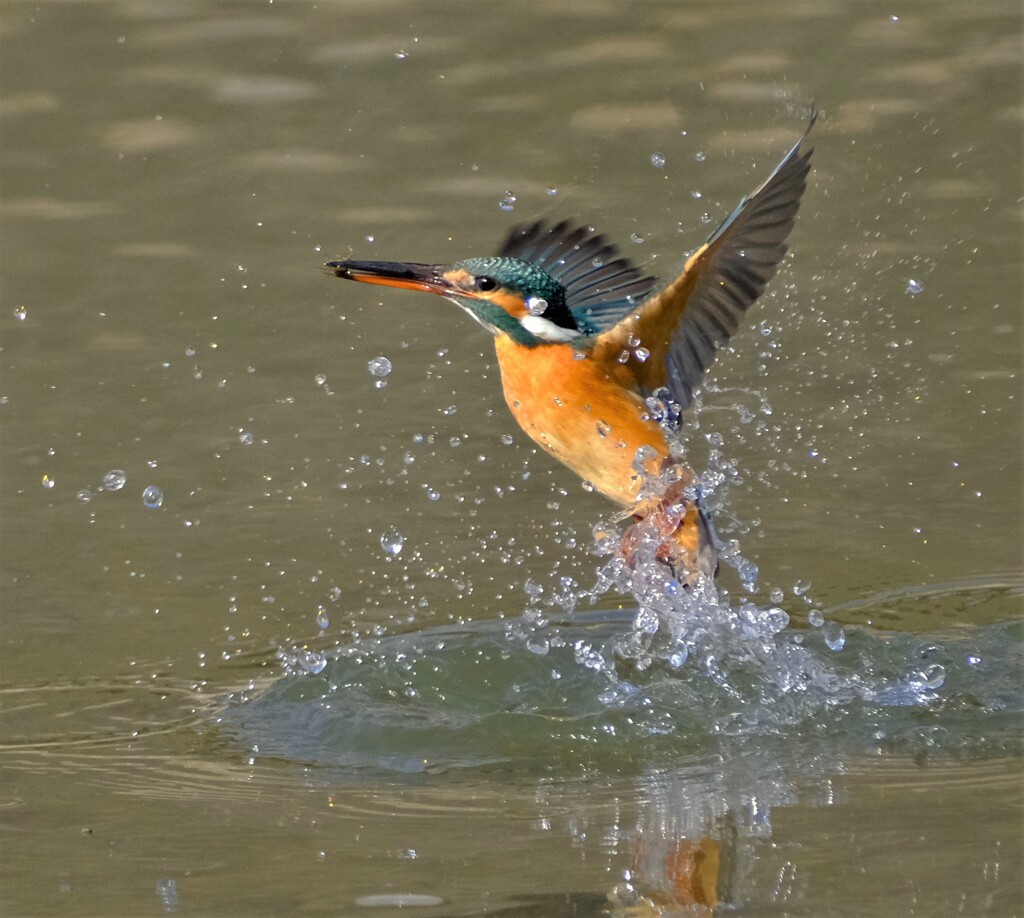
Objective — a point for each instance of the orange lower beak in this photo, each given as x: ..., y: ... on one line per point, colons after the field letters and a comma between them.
x: 405, y: 275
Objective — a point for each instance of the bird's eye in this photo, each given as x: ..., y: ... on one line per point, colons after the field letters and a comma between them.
x: 486, y: 284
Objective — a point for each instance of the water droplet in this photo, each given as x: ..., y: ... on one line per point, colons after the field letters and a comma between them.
x: 637, y: 238
x: 586, y: 485
x: 48, y: 482
x: 658, y: 161
x: 114, y: 480
x: 323, y: 622
x: 167, y: 893
x: 552, y: 190
x: 152, y: 497
x: 677, y: 659
x: 508, y: 202
x: 603, y: 428
x: 646, y: 621
x: 20, y: 312
x: 914, y: 287
x: 700, y: 156
x: 538, y: 646
x: 320, y: 379
x: 532, y: 588
x: 449, y: 411
x: 83, y: 496
x: 800, y: 587
x: 401, y: 55
x: 776, y: 595
x: 507, y: 439
x: 246, y: 438
x: 776, y: 619
x: 536, y: 305
x: 933, y: 676
x: 705, y: 217
x: 587, y: 656
x: 379, y: 366
x: 834, y: 636
x: 641, y: 354
x: 815, y: 619
x: 747, y: 572
x: 311, y: 661
x: 392, y: 541
x: 973, y: 659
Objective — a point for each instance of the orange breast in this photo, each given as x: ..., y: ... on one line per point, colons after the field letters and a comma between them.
x: 576, y: 410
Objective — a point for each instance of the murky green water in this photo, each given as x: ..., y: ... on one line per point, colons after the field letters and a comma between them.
x: 236, y: 701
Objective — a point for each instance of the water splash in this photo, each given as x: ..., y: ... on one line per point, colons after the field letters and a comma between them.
x: 668, y: 671
x: 561, y: 696
x: 741, y: 658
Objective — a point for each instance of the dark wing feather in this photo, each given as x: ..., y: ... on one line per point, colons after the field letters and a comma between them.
x: 600, y: 286
x: 684, y: 324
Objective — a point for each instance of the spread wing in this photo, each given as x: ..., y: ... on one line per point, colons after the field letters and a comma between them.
x: 682, y: 326
x: 600, y: 286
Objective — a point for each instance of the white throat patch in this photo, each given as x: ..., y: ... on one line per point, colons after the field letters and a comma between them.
x: 546, y: 330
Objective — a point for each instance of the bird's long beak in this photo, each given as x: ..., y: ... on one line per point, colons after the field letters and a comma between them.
x: 405, y: 275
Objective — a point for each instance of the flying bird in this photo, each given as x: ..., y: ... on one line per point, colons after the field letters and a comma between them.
x: 585, y: 340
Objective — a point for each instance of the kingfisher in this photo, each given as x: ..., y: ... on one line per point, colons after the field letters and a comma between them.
x: 596, y: 361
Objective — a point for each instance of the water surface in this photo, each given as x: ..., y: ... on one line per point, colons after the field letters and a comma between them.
x: 206, y: 692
